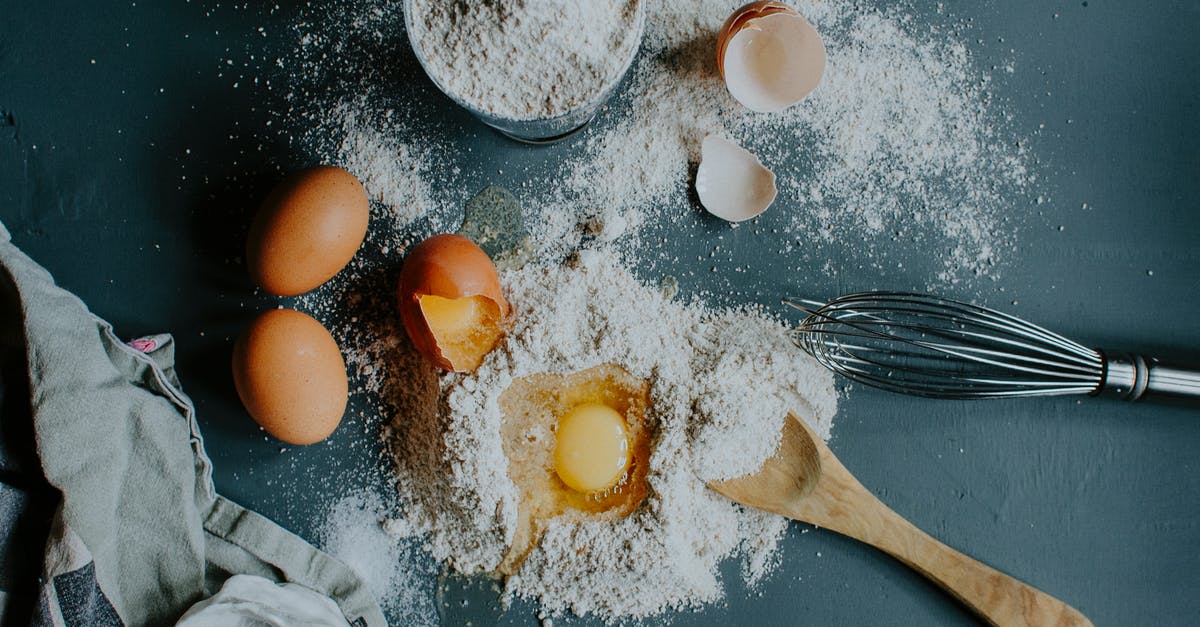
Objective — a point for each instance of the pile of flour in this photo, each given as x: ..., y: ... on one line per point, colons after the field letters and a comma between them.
x: 360, y: 531
x: 525, y: 59
x: 722, y: 382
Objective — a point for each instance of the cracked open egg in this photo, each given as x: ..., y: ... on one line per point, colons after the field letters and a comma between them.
x: 770, y: 56
x: 450, y: 302
x: 578, y: 447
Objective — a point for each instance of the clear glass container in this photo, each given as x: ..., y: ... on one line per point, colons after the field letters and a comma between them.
x: 538, y: 130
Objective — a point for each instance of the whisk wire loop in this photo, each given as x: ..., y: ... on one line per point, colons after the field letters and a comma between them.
x: 931, y: 346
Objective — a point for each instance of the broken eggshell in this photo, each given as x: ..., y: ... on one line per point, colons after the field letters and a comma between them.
x: 450, y: 302
x: 770, y: 56
x: 731, y: 182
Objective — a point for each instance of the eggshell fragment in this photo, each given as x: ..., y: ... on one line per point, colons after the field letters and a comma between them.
x: 450, y: 302
x: 291, y: 377
x: 731, y: 182
x: 770, y: 57
x: 307, y: 230
x: 736, y: 20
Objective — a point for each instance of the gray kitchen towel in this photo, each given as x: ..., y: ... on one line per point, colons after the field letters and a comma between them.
x: 137, y: 532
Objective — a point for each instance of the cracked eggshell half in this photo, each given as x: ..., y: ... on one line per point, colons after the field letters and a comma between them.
x: 731, y: 182
x: 770, y: 56
x: 450, y: 302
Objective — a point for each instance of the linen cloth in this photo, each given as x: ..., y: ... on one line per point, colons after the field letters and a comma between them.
x: 101, y: 455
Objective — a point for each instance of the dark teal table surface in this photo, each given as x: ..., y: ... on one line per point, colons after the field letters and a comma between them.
x: 129, y: 166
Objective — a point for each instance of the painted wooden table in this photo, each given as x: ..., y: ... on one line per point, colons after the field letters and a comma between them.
x: 129, y: 165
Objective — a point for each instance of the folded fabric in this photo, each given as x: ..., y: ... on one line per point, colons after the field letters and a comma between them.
x: 138, y: 533
x: 250, y: 601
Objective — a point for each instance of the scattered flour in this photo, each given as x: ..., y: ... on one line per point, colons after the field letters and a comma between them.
x: 394, y: 173
x: 525, y: 59
x: 898, y: 140
x: 909, y: 144
x: 721, y: 383
x: 901, y: 149
x: 901, y: 153
x: 362, y: 532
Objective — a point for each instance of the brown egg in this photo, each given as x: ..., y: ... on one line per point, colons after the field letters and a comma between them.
x: 291, y: 376
x: 450, y: 302
x: 307, y: 230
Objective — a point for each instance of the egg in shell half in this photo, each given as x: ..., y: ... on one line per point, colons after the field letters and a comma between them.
x: 450, y: 302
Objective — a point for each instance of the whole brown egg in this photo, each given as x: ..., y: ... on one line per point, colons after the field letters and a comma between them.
x: 307, y: 230
x: 291, y: 376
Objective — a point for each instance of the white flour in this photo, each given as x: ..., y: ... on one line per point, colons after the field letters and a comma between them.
x: 721, y: 383
x: 525, y: 59
x: 358, y: 531
x: 897, y: 140
x: 900, y: 153
x: 395, y: 174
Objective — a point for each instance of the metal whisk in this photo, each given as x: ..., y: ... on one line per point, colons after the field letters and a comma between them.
x: 928, y: 346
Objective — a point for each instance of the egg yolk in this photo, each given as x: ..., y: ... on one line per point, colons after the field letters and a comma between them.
x: 465, y: 329
x: 591, y: 451
x: 600, y: 414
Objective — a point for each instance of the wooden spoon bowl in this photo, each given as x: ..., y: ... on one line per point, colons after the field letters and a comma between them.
x: 806, y: 482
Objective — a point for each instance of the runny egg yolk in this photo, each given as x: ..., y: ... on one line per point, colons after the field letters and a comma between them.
x: 465, y: 329
x: 600, y: 414
x: 591, y: 451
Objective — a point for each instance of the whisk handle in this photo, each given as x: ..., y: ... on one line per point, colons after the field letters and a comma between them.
x: 1134, y: 377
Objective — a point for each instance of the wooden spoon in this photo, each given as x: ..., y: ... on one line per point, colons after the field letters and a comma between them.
x: 805, y: 481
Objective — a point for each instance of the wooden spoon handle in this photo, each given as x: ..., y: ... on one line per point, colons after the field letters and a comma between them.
x: 840, y: 503
x: 995, y: 596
